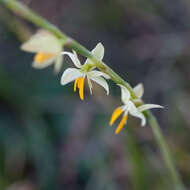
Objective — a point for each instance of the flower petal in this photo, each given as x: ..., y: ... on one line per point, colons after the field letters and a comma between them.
x: 58, y: 63
x: 148, y: 106
x: 135, y: 112
x: 139, y: 90
x: 125, y: 94
x: 98, y: 51
x: 89, y: 84
x: 44, y: 64
x: 42, y: 41
x: 102, y: 82
x: 74, y: 58
x: 98, y: 74
x: 70, y: 75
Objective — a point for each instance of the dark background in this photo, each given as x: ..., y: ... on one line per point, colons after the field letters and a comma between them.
x: 51, y: 140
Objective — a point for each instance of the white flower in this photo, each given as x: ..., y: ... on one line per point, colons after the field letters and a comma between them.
x: 47, y: 48
x: 85, y: 71
x: 130, y: 108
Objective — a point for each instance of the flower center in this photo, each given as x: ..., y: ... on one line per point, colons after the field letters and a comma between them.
x: 41, y: 57
x: 87, y: 67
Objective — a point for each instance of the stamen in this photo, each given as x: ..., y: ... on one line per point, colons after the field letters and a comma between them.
x: 75, y: 84
x: 78, y: 84
x: 81, y: 88
x: 41, y: 57
x: 117, y: 112
x: 121, y: 124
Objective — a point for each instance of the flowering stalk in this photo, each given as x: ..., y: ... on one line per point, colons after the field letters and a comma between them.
x: 29, y: 15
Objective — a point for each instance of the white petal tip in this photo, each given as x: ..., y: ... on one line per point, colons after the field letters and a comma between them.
x: 139, y: 90
x: 73, y: 56
x: 148, y: 106
x: 22, y: 47
x: 143, y: 122
x: 36, y: 66
x: 98, y: 51
x: 62, y: 83
x: 157, y: 106
x: 100, y: 44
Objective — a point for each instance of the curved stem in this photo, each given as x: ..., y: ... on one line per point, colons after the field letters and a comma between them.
x: 29, y: 15
x: 164, y: 150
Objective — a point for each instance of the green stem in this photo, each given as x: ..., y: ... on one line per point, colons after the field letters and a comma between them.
x: 164, y: 150
x: 29, y: 15
x: 135, y: 156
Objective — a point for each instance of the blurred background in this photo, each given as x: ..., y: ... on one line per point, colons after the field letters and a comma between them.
x: 51, y: 140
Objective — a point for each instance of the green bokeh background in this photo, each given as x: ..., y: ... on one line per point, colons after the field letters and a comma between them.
x: 51, y: 140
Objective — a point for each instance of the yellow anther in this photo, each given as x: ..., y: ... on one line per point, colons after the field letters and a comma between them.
x: 75, y: 85
x: 79, y: 82
x: 41, y: 57
x: 81, y: 88
x: 117, y: 112
x: 121, y: 124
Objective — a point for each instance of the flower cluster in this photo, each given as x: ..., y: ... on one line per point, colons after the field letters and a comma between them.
x: 129, y: 107
x: 48, y: 50
x: 87, y: 70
